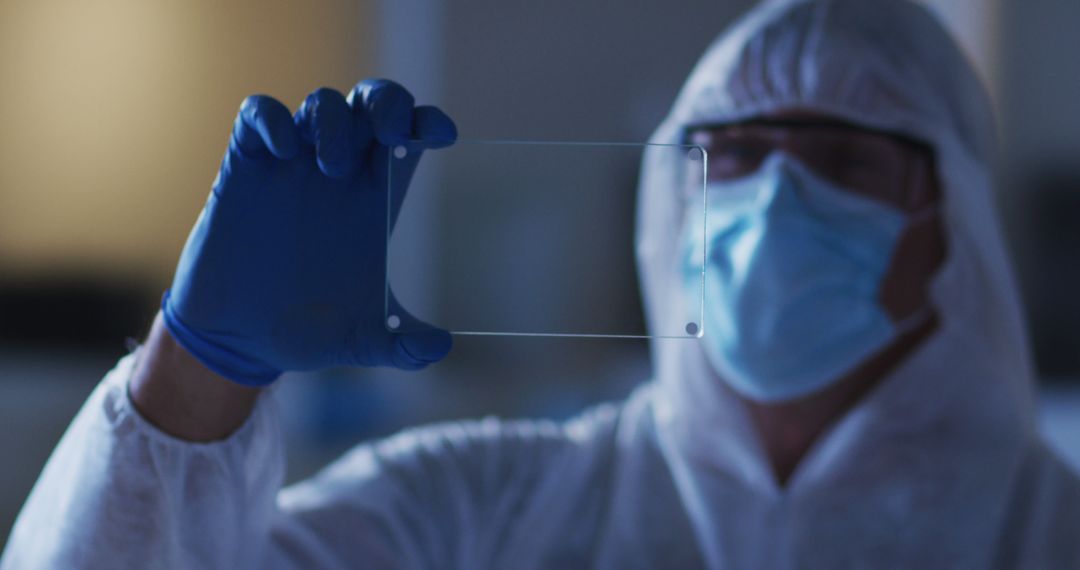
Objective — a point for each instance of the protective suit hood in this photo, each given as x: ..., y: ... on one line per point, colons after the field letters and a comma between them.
x: 915, y: 457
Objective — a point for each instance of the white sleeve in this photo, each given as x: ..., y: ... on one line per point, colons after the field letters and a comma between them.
x: 119, y: 493
x: 467, y: 494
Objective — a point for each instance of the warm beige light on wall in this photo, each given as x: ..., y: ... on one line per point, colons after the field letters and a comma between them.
x: 115, y: 114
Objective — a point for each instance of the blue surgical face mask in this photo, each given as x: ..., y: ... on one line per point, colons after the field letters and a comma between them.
x: 793, y: 271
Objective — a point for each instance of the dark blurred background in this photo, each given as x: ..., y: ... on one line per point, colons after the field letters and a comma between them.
x: 115, y: 115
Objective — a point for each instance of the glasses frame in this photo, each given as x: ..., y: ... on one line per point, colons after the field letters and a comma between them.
x: 920, y: 154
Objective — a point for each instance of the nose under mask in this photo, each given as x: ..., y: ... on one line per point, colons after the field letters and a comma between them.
x: 793, y: 270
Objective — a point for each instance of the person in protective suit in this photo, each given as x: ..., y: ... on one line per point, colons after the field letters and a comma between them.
x: 863, y: 395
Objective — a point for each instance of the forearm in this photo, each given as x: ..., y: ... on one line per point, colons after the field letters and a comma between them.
x: 119, y: 493
x: 176, y: 393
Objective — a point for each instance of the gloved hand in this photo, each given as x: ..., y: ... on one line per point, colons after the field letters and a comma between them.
x: 285, y: 267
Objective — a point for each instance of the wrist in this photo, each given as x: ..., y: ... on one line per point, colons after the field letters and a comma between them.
x: 216, y: 352
x: 181, y: 396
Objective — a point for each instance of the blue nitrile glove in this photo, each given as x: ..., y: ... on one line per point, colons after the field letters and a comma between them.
x: 285, y: 268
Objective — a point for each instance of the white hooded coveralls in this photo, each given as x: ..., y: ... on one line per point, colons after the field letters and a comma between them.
x: 939, y: 467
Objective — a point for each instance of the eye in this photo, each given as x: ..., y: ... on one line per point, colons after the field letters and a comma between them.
x: 735, y: 158
x: 851, y: 164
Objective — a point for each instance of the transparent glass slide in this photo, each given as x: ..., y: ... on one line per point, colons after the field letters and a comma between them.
x: 521, y: 238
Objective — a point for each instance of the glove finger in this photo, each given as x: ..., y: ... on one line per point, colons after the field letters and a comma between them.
x: 422, y: 347
x: 407, y: 351
x: 265, y: 127
x: 421, y: 342
x: 325, y: 121
x: 433, y: 127
x: 389, y: 109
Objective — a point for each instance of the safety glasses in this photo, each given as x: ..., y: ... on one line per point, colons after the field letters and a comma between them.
x: 876, y: 164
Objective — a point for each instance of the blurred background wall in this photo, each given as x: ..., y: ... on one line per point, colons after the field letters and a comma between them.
x: 115, y: 115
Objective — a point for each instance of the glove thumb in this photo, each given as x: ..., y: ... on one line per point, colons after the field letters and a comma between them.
x: 415, y: 350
